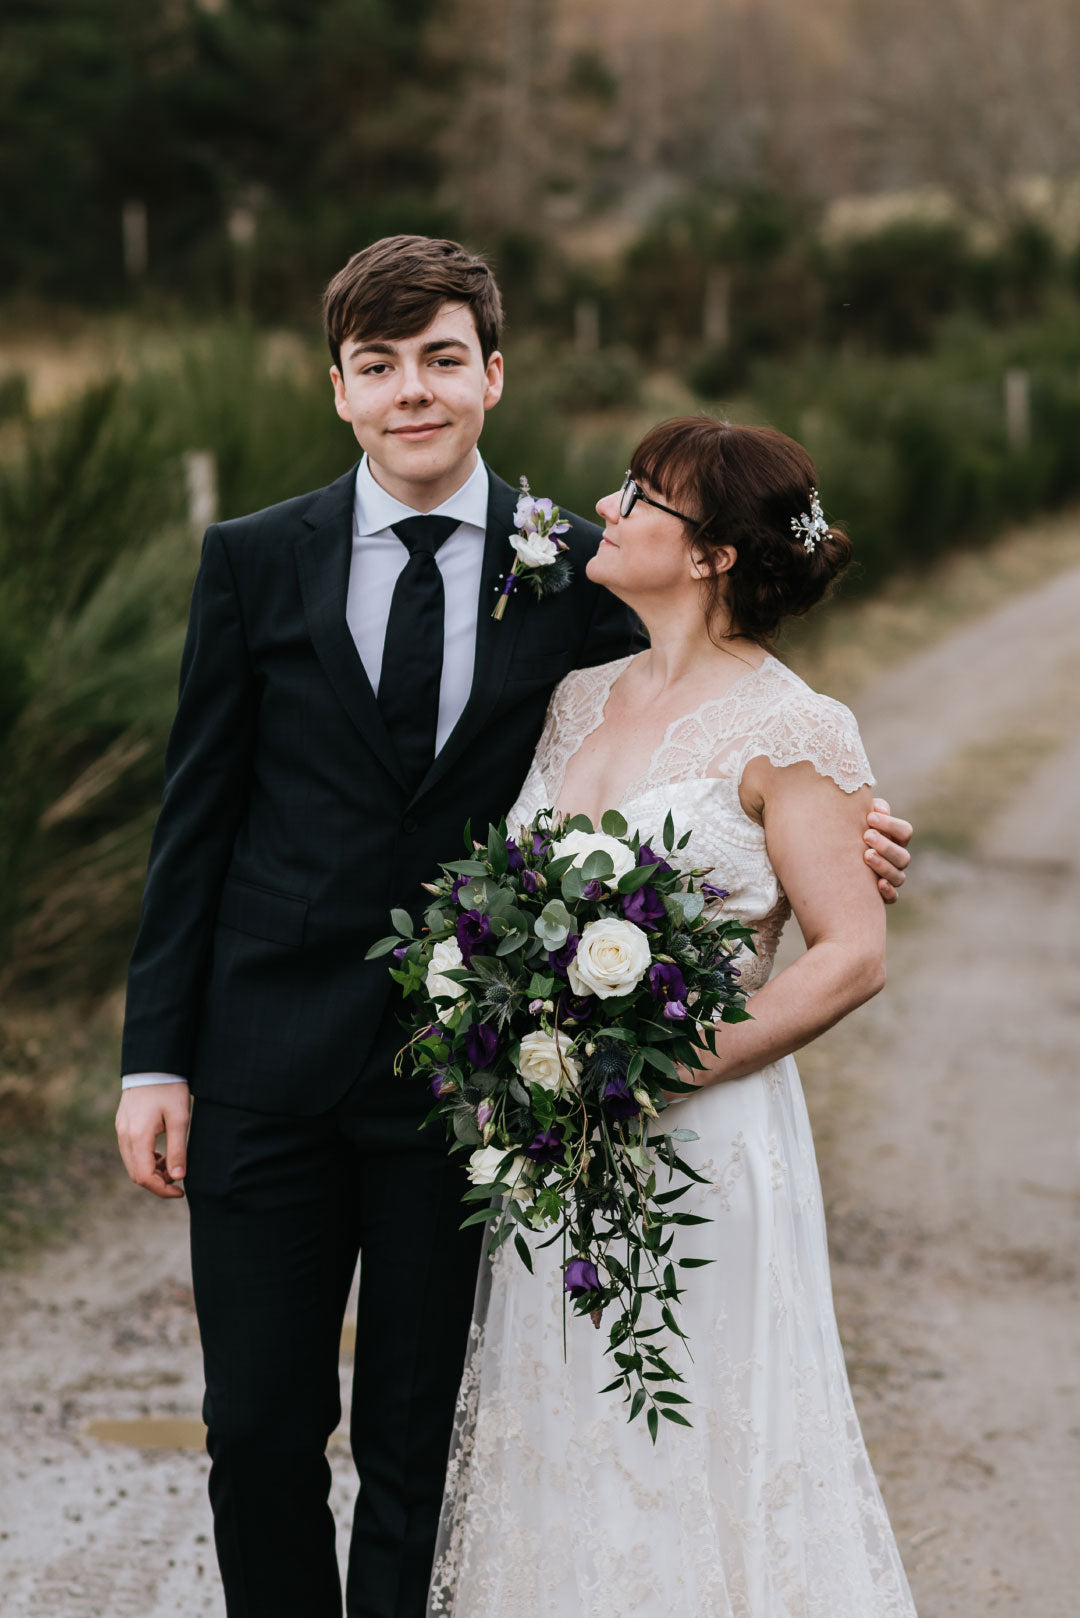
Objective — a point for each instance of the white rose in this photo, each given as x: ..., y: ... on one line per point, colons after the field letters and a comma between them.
x: 545, y: 1059
x: 444, y: 957
x: 612, y: 958
x: 483, y: 1169
x: 583, y: 843
x: 535, y: 550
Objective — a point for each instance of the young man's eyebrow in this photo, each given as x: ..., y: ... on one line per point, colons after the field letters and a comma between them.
x: 436, y: 346
x: 439, y: 343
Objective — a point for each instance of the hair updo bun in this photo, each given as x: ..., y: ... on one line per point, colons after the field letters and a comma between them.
x: 748, y: 484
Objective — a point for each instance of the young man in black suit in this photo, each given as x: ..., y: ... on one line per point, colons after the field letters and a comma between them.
x: 347, y: 703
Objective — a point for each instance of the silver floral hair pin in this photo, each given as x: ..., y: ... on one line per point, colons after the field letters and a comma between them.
x: 811, y: 525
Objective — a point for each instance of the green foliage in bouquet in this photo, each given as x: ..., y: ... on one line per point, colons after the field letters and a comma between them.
x: 569, y: 983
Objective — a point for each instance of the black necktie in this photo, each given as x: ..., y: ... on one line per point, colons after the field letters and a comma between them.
x: 413, y: 651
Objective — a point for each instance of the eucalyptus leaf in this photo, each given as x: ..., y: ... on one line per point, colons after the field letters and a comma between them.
x: 598, y: 865
x: 573, y: 884
x: 613, y: 823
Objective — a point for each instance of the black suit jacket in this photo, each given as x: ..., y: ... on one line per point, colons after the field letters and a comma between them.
x: 286, y: 833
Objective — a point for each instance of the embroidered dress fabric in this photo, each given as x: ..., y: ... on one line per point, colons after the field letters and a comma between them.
x: 555, y: 1507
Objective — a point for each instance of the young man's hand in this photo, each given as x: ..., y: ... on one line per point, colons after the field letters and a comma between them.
x: 144, y: 1114
x: 886, y: 853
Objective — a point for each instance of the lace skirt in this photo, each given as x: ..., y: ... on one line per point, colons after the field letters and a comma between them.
x: 555, y: 1507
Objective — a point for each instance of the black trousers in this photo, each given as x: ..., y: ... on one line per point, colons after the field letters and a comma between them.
x: 280, y: 1208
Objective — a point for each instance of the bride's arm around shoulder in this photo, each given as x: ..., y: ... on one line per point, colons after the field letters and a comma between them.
x: 812, y: 798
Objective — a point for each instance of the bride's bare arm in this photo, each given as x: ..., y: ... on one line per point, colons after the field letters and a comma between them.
x: 813, y: 832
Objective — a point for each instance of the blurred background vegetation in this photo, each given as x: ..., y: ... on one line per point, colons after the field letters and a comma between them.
x: 858, y: 222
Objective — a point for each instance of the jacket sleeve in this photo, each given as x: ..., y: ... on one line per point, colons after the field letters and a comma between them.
x: 207, y: 776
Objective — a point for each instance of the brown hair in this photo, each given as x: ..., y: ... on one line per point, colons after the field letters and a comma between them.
x: 745, y: 484
x: 395, y: 287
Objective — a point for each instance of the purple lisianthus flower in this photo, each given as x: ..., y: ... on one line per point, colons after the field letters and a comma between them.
x: 458, y: 883
x: 515, y: 858
x: 711, y: 891
x: 481, y: 1044
x: 580, y: 1278
x: 646, y: 856
x: 546, y: 1147
x: 401, y: 952
x: 592, y: 890
x: 666, y: 982
x: 441, y: 1085
x: 619, y: 1099
x: 675, y: 1011
x: 644, y: 906
x: 559, y: 959
x: 485, y: 1112
x: 540, y: 842
x: 530, y: 881
x: 575, y: 1007
x: 473, y: 932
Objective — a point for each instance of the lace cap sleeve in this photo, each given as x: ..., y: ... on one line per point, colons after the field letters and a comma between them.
x: 807, y: 727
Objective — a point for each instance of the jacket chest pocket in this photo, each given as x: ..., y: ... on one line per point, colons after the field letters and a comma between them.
x: 278, y: 917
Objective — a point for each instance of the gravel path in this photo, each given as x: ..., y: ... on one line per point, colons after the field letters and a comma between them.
x: 946, y: 1118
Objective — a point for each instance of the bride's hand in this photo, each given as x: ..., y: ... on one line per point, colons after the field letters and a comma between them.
x: 886, y: 852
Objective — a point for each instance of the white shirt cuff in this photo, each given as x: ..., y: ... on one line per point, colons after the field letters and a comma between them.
x: 135, y: 1081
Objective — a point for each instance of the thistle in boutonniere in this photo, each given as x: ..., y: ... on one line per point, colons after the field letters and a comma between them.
x: 540, y: 558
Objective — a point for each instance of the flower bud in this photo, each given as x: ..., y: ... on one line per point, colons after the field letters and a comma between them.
x: 644, y: 1101
x: 590, y: 1049
x: 535, y: 1006
x: 549, y: 1006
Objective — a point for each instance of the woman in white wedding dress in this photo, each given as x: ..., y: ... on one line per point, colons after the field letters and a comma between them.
x: 767, y: 1507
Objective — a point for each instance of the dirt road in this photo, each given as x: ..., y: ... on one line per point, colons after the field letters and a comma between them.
x: 948, y: 1131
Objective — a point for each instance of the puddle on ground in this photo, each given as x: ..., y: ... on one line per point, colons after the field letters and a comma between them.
x: 151, y: 1432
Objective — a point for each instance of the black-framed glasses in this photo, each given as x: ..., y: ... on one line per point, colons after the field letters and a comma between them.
x: 632, y: 492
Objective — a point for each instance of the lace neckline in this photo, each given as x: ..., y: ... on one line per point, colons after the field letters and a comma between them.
x: 640, y: 782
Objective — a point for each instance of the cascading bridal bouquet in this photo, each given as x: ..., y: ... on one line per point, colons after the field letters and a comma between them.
x: 562, y: 980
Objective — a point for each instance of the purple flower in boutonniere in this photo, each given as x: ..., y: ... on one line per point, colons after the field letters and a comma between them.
x: 539, y: 551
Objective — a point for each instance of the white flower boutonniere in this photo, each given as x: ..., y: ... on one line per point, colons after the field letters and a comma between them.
x: 540, y: 555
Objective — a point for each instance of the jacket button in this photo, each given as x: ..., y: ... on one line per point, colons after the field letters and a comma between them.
x: 410, y: 824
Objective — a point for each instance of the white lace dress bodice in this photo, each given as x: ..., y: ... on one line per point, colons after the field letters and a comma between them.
x: 696, y: 773
x: 767, y: 1507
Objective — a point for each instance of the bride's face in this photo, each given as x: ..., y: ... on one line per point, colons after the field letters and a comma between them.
x: 646, y: 554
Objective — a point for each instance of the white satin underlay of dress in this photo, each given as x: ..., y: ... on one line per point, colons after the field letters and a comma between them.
x: 767, y: 1507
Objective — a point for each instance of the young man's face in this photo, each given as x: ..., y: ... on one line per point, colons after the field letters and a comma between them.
x: 416, y: 404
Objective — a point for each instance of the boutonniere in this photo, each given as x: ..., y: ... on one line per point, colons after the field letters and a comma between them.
x: 540, y: 555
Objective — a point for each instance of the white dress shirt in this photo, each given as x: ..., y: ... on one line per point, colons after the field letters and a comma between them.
x: 378, y: 556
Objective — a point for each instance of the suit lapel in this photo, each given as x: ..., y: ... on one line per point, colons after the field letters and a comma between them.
x: 494, y: 641
x: 323, y: 555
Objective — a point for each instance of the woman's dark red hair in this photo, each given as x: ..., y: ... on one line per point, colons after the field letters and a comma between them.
x: 745, y: 485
